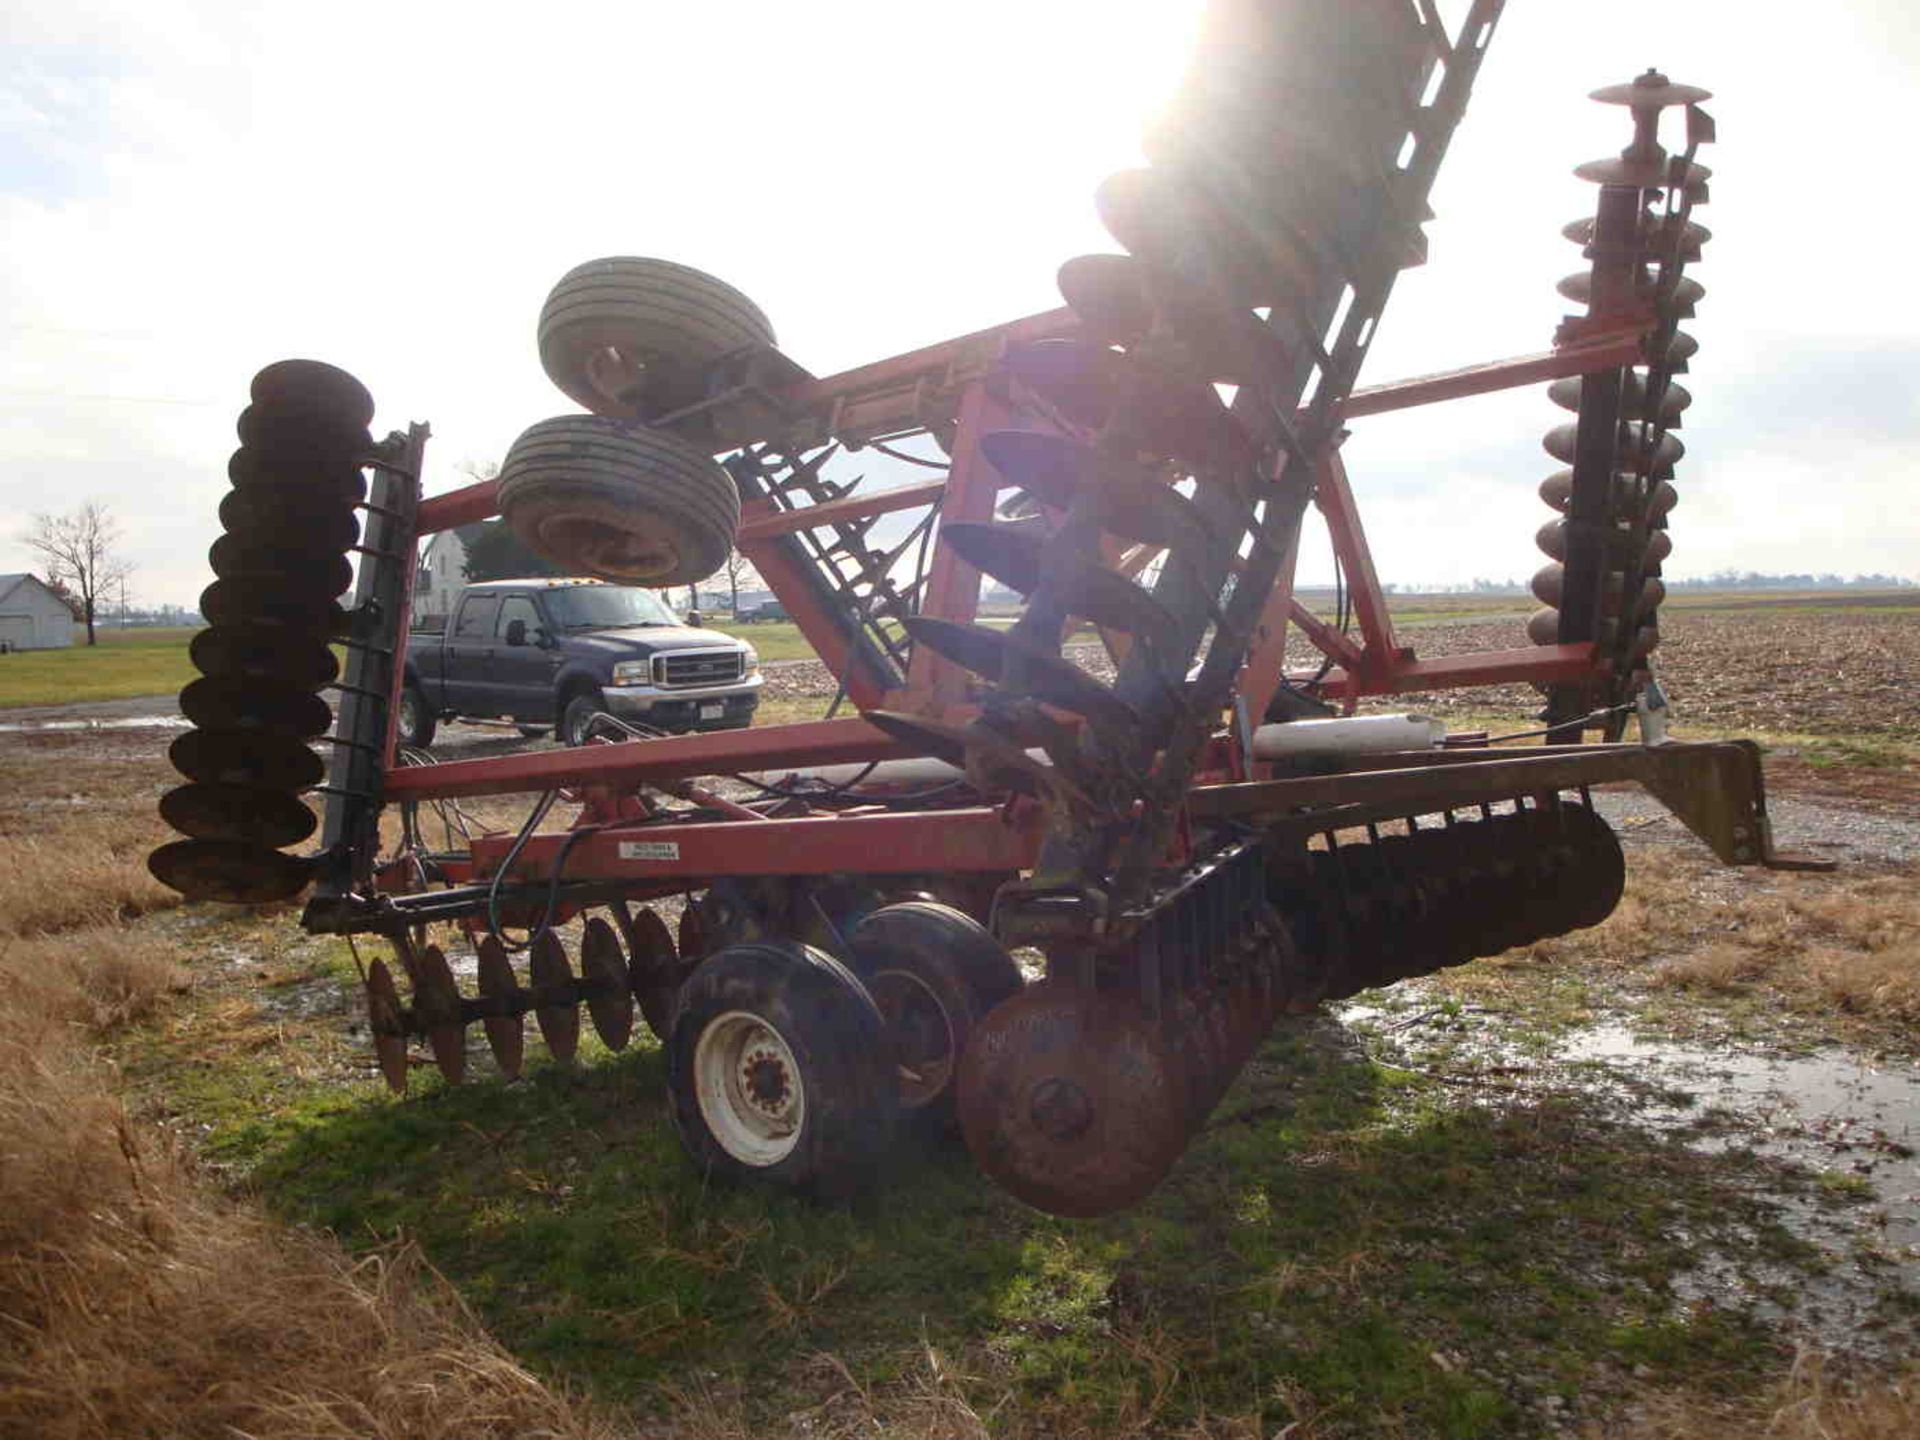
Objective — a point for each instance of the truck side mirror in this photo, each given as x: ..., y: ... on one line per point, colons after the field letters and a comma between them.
x: 516, y: 632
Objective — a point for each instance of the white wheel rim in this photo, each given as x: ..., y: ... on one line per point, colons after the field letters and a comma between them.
x: 409, y: 713
x: 749, y: 1089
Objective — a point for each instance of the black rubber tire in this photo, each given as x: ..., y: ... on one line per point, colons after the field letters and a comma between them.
x: 669, y: 322
x: 832, y: 1030
x: 533, y: 732
x: 639, y: 507
x: 417, y: 722
x: 952, y: 959
x: 577, y: 714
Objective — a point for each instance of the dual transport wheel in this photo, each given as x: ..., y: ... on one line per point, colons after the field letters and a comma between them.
x: 603, y: 494
x: 786, y: 1066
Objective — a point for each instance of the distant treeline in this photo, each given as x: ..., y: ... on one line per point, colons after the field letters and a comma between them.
x: 1722, y: 580
x: 1750, y: 580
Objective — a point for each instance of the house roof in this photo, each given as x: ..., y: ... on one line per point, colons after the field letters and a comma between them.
x: 10, y: 583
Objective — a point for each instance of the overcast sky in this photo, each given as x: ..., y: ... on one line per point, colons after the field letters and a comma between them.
x: 192, y: 190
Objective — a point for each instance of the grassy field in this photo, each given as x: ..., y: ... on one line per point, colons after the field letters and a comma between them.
x: 206, y: 1183
x: 125, y: 663
x: 135, y: 662
x: 130, y: 663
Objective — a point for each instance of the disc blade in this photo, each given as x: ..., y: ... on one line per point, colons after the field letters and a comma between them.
x: 1647, y: 174
x: 385, y: 1024
x: 1165, y: 415
x: 1107, y: 294
x: 302, y: 432
x: 312, y: 387
x: 506, y: 1030
x: 989, y: 757
x: 215, y: 704
x: 239, y: 813
x: 1562, y: 441
x: 272, y: 653
x: 1000, y: 658
x: 436, y: 1004
x: 289, y: 517
x: 303, y: 570
x: 245, y: 757
x: 556, y: 1008
x: 1070, y: 1101
x: 231, y: 872
x: 1650, y: 91
x: 273, y: 602
x: 324, y: 479
x: 1633, y: 397
x: 1132, y: 501
x: 1016, y: 557
x: 653, y: 971
x: 609, y: 1000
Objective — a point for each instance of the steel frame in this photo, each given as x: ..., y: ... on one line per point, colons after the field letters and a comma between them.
x: 955, y: 390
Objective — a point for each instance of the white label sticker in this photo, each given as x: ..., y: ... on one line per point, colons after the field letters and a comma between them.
x: 649, y: 850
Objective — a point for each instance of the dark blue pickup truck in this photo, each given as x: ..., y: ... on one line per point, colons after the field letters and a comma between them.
x: 543, y: 653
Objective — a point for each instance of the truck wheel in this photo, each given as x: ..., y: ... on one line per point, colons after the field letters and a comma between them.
x: 577, y: 718
x: 934, y: 973
x: 633, y: 338
x: 533, y: 732
x: 417, y: 720
x: 639, y: 507
x: 775, y: 1070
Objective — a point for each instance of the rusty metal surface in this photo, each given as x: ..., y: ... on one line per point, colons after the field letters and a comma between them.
x: 1070, y: 1100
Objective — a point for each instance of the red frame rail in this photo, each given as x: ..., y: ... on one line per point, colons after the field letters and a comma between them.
x: 957, y: 382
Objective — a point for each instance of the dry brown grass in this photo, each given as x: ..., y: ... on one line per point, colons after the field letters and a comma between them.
x: 139, y: 1303
x: 78, y: 820
x: 1809, y: 1405
x: 1842, y: 942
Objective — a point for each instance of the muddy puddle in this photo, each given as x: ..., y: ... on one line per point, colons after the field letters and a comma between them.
x: 1837, y: 1136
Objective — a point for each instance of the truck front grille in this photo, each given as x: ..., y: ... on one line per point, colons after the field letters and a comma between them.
x: 698, y: 667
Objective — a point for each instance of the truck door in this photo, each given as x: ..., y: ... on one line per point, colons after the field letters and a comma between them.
x: 523, y: 674
x: 467, y: 669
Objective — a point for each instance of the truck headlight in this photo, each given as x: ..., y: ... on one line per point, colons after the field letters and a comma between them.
x: 632, y: 672
x: 751, y: 665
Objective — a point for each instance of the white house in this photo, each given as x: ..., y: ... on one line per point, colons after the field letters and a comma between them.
x: 32, y: 617
x: 443, y: 571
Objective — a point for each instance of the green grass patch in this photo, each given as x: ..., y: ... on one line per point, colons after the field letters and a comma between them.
x: 774, y: 639
x: 1347, y: 1242
x: 125, y: 664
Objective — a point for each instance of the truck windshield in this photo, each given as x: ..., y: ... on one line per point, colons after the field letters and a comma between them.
x: 607, y: 607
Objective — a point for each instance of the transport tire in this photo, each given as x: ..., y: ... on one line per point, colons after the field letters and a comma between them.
x: 417, y: 722
x: 635, y: 506
x: 578, y: 715
x: 776, y: 1071
x: 934, y: 974
x: 633, y: 338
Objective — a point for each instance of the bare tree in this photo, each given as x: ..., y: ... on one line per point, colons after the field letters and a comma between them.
x: 78, y: 549
x: 739, y: 571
